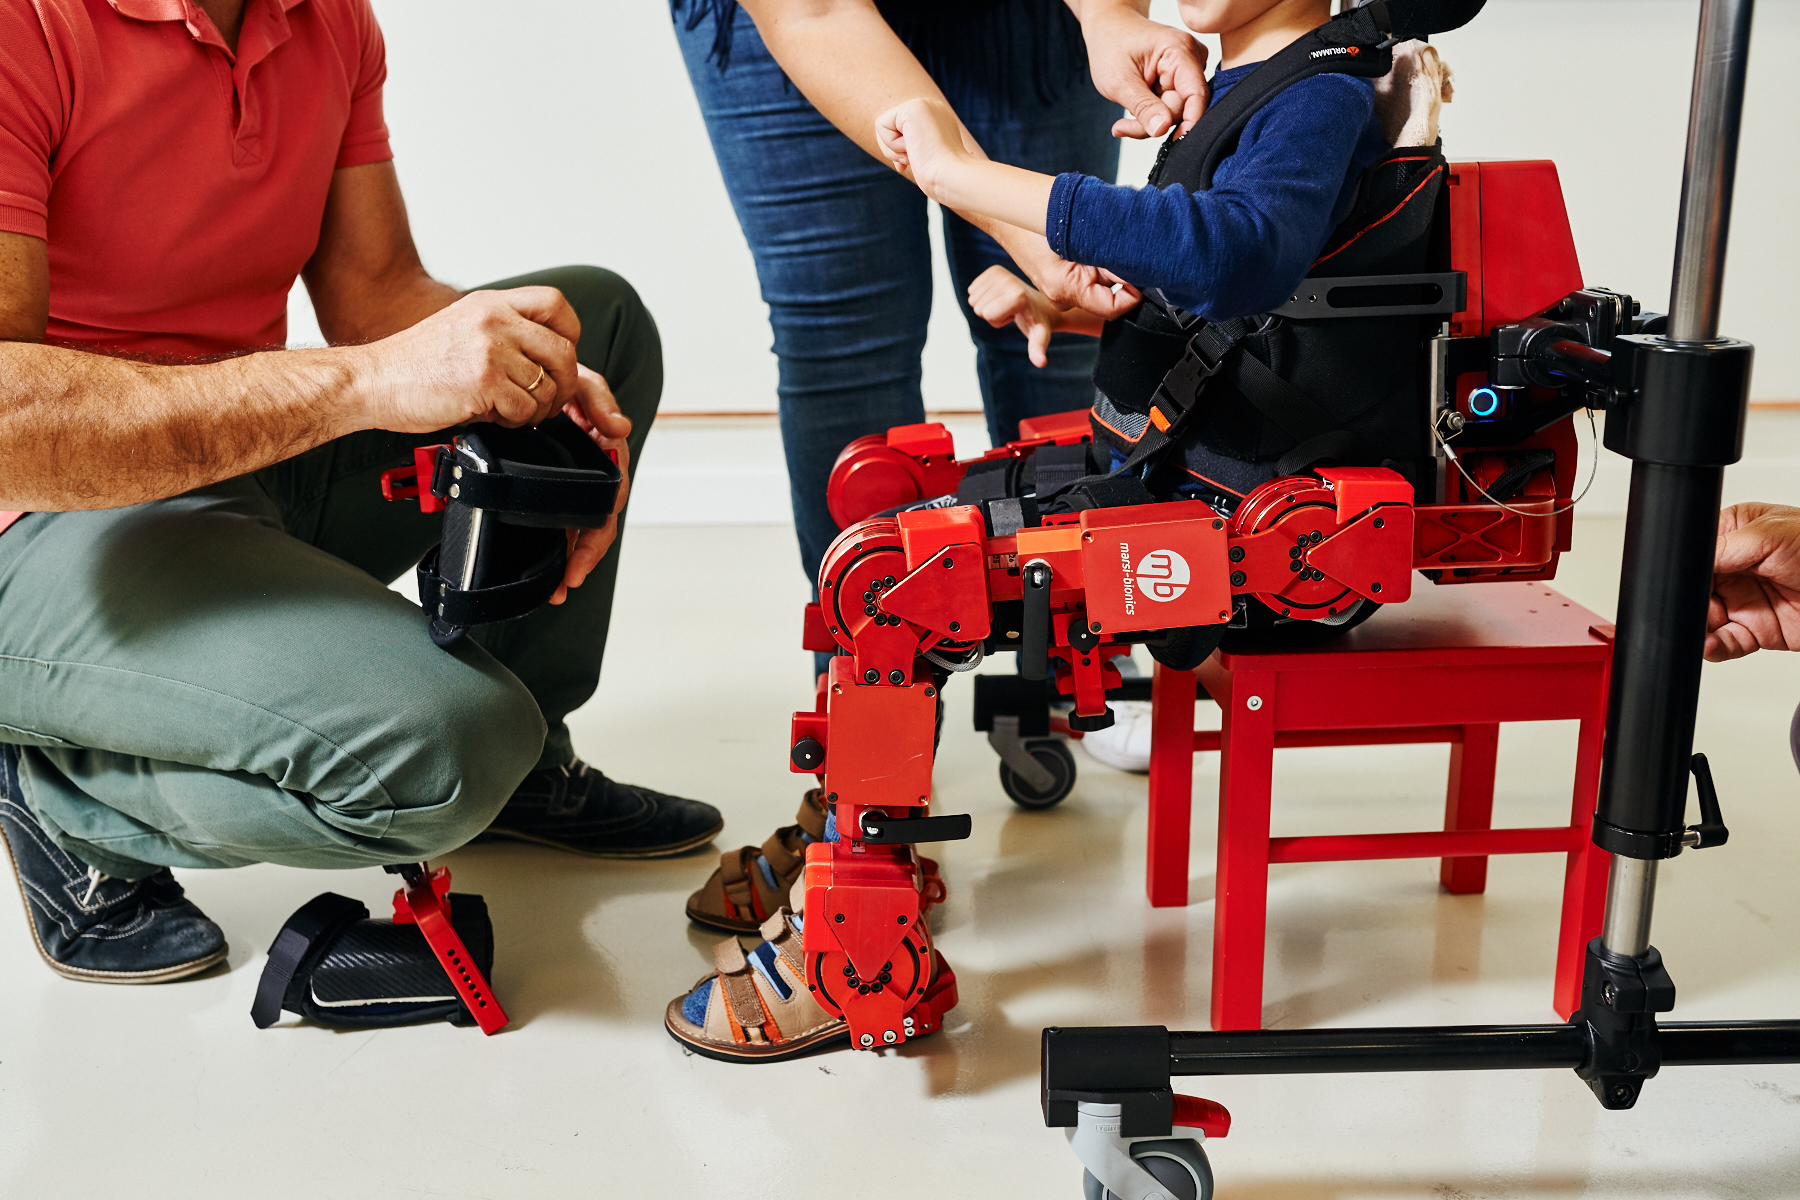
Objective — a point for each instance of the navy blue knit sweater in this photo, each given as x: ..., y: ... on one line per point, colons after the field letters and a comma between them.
x: 1241, y: 246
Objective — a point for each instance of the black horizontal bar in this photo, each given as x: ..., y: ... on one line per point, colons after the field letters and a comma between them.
x: 1428, y: 1048
x: 1724, y: 1043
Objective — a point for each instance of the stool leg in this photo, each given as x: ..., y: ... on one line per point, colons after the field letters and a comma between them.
x: 1584, y: 880
x: 1240, y: 907
x: 1469, y: 804
x: 1171, y: 785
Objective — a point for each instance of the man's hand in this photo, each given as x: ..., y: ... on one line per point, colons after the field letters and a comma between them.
x: 597, y: 412
x: 1156, y: 72
x: 1756, y: 582
x: 477, y: 360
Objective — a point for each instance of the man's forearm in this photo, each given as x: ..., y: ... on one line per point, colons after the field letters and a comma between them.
x: 362, y: 310
x: 80, y: 431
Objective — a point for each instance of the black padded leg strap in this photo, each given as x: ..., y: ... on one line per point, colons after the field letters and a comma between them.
x: 318, y: 921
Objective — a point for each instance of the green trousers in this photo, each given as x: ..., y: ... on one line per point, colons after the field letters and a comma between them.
x: 224, y: 678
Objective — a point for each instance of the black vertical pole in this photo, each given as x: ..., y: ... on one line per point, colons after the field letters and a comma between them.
x: 1679, y: 415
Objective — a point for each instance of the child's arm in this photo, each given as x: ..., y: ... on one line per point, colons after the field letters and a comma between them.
x: 998, y: 296
x: 924, y: 139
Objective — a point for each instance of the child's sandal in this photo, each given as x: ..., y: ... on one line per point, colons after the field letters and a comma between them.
x: 756, y: 1007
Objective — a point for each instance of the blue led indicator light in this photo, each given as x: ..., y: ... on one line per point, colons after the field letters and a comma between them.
x: 1484, y: 402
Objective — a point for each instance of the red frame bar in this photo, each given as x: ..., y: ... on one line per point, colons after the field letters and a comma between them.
x: 1468, y: 843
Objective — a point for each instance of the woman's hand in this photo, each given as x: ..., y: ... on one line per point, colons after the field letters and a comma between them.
x: 596, y: 411
x: 1155, y: 71
x: 1756, y: 582
x: 923, y: 140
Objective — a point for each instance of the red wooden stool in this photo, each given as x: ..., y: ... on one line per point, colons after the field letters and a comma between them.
x: 1449, y: 665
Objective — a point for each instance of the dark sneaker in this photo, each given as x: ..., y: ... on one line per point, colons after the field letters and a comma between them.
x: 90, y: 926
x: 577, y: 808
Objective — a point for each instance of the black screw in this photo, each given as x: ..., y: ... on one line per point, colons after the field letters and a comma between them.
x: 902, y: 920
x: 956, y: 627
x: 1295, y: 565
x: 831, y: 798
x: 1095, y: 627
x: 1332, y: 613
x: 1374, y: 587
x: 874, y: 585
x: 1318, y: 574
x: 1086, y: 661
x: 886, y: 977
x: 948, y: 564
x: 863, y: 990
x: 887, y: 966
x: 868, y: 597
x: 1287, y: 612
x: 871, y: 676
x: 1218, y: 524
x: 930, y: 692
x: 1237, y: 554
x: 839, y: 918
x: 1301, y: 540
x: 1609, y: 993
x: 888, y: 582
x: 869, y: 611
x: 1380, y: 523
x: 873, y: 987
x: 850, y: 971
x: 1293, y: 552
x: 896, y: 677
x: 1237, y: 578
x: 1315, y: 537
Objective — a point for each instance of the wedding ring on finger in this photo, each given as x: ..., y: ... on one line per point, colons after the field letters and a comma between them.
x: 533, y: 385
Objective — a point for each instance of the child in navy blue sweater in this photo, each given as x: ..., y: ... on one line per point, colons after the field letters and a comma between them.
x: 1236, y: 249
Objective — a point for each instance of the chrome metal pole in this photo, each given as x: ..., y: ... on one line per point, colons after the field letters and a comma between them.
x: 1630, y: 895
x: 1715, y: 113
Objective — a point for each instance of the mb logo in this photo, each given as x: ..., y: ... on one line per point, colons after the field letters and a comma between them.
x: 1162, y: 575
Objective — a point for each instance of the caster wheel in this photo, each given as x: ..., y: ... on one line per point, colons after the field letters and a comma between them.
x: 1055, y: 757
x: 1178, y: 1164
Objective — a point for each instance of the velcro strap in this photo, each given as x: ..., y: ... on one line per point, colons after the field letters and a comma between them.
x: 732, y: 876
x: 778, y: 932
x: 812, y: 815
x: 735, y: 983
x: 523, y: 489
x: 450, y: 605
x: 318, y: 919
x: 781, y: 860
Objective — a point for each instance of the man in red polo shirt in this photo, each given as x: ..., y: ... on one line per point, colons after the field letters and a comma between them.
x: 200, y: 663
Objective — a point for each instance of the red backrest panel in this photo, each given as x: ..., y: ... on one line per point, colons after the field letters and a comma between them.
x: 1509, y: 231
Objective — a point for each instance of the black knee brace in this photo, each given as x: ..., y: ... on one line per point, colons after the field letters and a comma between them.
x: 508, y: 496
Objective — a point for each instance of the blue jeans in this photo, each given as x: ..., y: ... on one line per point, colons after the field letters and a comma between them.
x: 843, y: 251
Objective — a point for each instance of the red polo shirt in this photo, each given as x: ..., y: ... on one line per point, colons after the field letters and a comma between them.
x: 180, y: 187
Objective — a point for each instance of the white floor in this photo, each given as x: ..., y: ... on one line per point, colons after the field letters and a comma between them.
x: 170, y: 1092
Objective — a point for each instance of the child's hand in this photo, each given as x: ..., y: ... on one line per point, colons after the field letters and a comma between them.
x: 998, y: 296
x: 921, y: 138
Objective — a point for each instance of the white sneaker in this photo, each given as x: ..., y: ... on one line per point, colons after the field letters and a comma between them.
x: 1125, y: 744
